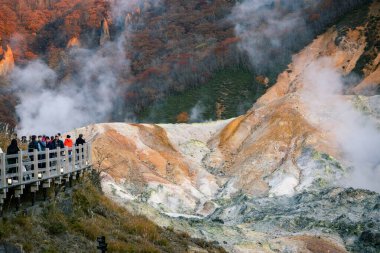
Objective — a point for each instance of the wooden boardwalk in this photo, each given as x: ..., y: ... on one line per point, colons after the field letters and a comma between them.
x: 41, y: 169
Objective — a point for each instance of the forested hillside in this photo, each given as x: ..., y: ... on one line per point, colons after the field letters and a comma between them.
x: 172, y: 45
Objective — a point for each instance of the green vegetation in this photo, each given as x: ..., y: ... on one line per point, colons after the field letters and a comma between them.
x: 361, y: 18
x: 230, y: 91
x: 73, y: 220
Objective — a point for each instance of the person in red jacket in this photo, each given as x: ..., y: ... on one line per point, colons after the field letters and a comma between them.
x: 68, y: 143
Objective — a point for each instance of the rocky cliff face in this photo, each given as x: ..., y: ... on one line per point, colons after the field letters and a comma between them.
x: 6, y: 61
x: 273, y: 180
x: 105, y: 33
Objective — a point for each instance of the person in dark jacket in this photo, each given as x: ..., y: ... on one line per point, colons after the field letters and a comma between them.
x: 33, y: 145
x: 50, y: 144
x: 80, y: 140
x: 47, y: 141
x: 58, y: 142
x: 12, y: 149
x: 41, y: 143
x: 41, y: 147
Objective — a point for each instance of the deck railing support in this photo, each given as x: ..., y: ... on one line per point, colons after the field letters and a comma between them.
x: 80, y: 157
x: 3, y: 172
x: 35, y: 164
x: 20, y: 167
x: 59, y: 162
x: 3, y: 191
x: 47, y: 155
x: 73, y: 161
x: 41, y: 168
x: 89, y: 153
x: 67, y: 162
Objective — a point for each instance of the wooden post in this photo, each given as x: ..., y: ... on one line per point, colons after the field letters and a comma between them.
x: 66, y: 166
x: 20, y: 188
x: 80, y: 156
x: 35, y: 164
x: 3, y: 182
x: 47, y: 155
x: 58, y: 161
x: 20, y: 172
x: 84, y: 162
x: 89, y: 153
x: 35, y: 181
x: 67, y: 162
x: 3, y: 167
x: 73, y: 158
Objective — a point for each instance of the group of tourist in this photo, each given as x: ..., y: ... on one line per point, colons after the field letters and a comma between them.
x: 41, y: 143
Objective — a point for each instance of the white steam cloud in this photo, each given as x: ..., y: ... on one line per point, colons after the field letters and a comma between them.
x: 357, y: 135
x: 196, y: 113
x: 48, y: 105
x: 86, y: 98
x: 272, y: 29
x: 267, y: 30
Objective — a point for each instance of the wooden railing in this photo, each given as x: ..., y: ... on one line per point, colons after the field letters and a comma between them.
x: 41, y: 168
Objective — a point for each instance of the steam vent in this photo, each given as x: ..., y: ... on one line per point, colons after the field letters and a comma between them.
x: 193, y: 126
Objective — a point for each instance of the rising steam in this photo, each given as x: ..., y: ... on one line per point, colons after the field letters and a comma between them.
x: 196, y: 113
x: 357, y: 135
x: 49, y: 105
x: 269, y: 30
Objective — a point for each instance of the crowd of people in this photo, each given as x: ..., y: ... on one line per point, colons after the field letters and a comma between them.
x: 42, y: 142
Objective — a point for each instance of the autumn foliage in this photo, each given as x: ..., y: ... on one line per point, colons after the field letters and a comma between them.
x: 171, y: 47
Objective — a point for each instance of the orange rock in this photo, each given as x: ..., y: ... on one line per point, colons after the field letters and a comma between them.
x: 73, y: 42
x: 7, y: 61
x: 183, y: 117
x: 262, y: 80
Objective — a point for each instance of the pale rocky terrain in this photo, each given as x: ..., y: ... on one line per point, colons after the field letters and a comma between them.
x: 272, y: 180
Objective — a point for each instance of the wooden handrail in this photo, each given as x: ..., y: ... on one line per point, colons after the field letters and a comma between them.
x: 57, y: 163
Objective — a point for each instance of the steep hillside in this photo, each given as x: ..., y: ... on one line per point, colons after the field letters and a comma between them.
x: 73, y: 220
x: 168, y: 50
x: 275, y: 179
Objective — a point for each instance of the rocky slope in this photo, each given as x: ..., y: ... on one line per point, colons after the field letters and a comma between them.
x: 273, y: 180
